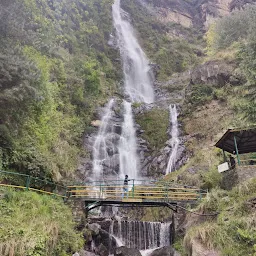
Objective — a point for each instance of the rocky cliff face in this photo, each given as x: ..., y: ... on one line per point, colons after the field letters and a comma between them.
x: 196, y: 13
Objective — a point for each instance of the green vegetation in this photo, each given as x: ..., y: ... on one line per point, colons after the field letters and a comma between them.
x: 200, y: 94
x: 238, y: 30
x: 155, y: 123
x: 55, y: 70
x: 172, y: 46
x: 236, y: 27
x: 233, y: 233
x: 38, y: 225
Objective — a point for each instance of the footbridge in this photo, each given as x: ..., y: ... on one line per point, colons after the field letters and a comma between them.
x: 138, y: 193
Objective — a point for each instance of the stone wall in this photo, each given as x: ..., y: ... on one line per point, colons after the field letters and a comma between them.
x: 246, y: 172
x: 238, y: 175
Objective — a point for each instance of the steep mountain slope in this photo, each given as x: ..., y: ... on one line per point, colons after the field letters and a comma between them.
x: 59, y: 63
x: 56, y: 68
x: 218, y: 94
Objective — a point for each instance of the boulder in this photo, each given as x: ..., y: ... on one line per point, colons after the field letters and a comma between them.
x: 197, y: 249
x: 124, y: 251
x: 104, y: 242
x: 86, y: 253
x: 95, y: 228
x: 96, y: 123
x: 102, y: 250
x: 164, y: 251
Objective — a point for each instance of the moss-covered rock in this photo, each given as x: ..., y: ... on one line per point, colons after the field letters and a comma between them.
x: 154, y: 124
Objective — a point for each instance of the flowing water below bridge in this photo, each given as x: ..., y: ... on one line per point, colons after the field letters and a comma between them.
x: 142, y: 235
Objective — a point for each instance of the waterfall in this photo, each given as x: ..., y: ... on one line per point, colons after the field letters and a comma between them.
x: 129, y: 163
x: 174, y: 140
x: 137, y: 73
x: 138, y: 85
x: 142, y: 235
x: 165, y: 234
x: 101, y: 145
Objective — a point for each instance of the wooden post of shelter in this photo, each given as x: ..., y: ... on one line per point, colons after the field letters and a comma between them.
x: 224, y: 155
x: 237, y: 152
x: 239, y: 141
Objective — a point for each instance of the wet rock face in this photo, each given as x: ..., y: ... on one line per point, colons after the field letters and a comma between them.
x: 165, y: 251
x: 108, y: 234
x: 102, y: 250
x: 84, y: 253
x: 125, y: 251
x: 155, y: 166
x: 103, y: 243
x: 108, y: 153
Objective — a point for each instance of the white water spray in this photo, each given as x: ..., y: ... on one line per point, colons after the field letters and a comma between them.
x: 142, y: 235
x: 174, y: 140
x: 138, y: 85
x: 100, y: 146
x: 137, y: 73
x: 165, y: 234
x: 129, y: 163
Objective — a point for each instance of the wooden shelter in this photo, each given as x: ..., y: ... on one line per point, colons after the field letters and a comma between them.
x: 238, y: 141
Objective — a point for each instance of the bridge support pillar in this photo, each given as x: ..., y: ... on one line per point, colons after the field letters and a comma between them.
x: 86, y: 211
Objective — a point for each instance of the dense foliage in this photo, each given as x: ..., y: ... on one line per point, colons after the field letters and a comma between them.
x: 234, y: 231
x: 55, y: 69
x: 238, y: 30
x: 32, y: 224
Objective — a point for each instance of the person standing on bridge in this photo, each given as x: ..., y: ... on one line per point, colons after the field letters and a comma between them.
x: 125, y: 187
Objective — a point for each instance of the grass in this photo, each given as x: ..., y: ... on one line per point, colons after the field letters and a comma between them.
x: 36, y: 225
x: 234, y: 230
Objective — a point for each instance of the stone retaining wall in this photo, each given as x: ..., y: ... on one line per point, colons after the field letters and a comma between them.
x: 238, y: 175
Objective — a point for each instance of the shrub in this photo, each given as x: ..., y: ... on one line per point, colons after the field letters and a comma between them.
x: 33, y: 224
x: 200, y: 94
x: 238, y: 26
x: 155, y: 124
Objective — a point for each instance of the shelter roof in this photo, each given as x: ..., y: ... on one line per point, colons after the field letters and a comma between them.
x: 245, y: 138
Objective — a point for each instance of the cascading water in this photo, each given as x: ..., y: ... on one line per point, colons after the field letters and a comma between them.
x: 137, y: 73
x: 165, y: 239
x: 142, y: 235
x: 138, y: 85
x: 100, y: 147
x: 129, y: 163
x: 174, y: 140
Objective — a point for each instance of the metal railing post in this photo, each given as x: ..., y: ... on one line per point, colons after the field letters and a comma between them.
x: 237, y: 152
x: 28, y: 182
x: 133, y: 188
x: 100, y: 191
x: 66, y: 194
x: 166, y: 193
x: 54, y: 191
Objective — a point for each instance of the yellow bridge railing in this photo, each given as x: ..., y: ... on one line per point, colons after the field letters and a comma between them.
x: 104, y: 190
x: 30, y: 183
x: 136, y: 192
